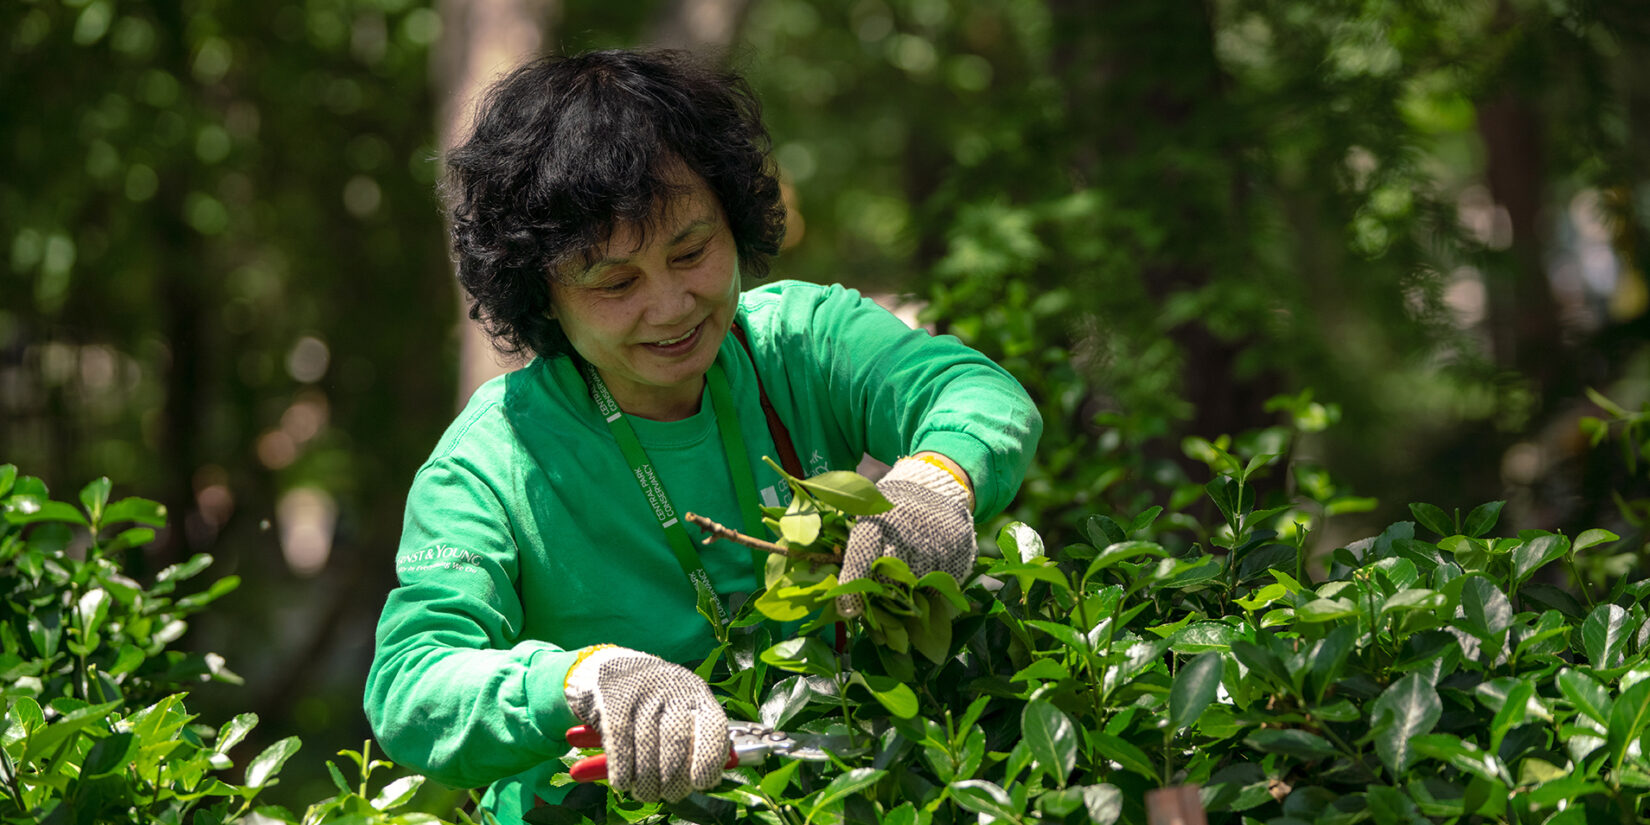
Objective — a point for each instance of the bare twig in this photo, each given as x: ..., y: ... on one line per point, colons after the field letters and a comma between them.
x: 718, y: 531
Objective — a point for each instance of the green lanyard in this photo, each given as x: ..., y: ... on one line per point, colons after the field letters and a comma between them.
x: 733, y: 444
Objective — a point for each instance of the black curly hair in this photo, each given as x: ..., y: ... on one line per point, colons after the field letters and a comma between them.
x: 565, y: 149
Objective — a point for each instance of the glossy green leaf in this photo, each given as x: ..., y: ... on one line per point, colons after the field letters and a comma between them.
x: 1415, y: 598
x: 1460, y: 753
x: 1433, y: 519
x: 70, y: 724
x: 849, y: 492
x: 1482, y: 519
x: 1191, y: 571
x: 1390, y: 806
x: 808, y: 654
x: 945, y: 585
x: 92, y: 609
x: 984, y: 798
x: 1293, y: 742
x: 1029, y: 572
x: 185, y: 570
x: 263, y: 767
x: 1629, y: 716
x: 786, y: 699
x: 906, y: 814
x: 1145, y: 519
x: 1113, y: 554
x: 894, y: 695
x: 1103, y: 802
x: 23, y: 718
x: 801, y: 523
x: 1068, y: 635
x: 1193, y: 689
x: 1202, y: 636
x: 1124, y: 753
x: 45, y: 629
x: 1019, y: 542
x: 1488, y: 610
x: 846, y: 785
x: 1408, y: 708
x: 1103, y: 530
x: 776, y: 781
x: 1537, y: 553
x: 94, y: 497
x: 1327, y: 658
x: 894, y: 569
x: 27, y: 509
x: 1262, y: 661
x: 234, y: 731
x: 1513, y: 711
x: 397, y: 793
x: 109, y: 754
x: 930, y: 629
x: 787, y: 603
x: 1541, y: 596
x: 1586, y: 694
x: 1052, y: 738
x: 1604, y: 636
x: 1326, y: 610
x: 1042, y: 669
x: 140, y: 510
x: 1593, y: 538
x: 1262, y: 597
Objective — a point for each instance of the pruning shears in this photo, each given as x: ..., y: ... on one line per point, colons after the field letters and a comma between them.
x: 750, y: 744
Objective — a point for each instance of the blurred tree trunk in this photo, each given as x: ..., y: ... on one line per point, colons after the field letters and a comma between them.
x: 185, y: 302
x: 1144, y: 85
x: 704, y: 27
x: 1523, y: 318
x: 481, y: 40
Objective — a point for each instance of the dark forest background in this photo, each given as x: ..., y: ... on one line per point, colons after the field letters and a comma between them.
x: 226, y: 287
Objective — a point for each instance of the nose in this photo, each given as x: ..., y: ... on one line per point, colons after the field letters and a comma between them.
x: 670, y: 300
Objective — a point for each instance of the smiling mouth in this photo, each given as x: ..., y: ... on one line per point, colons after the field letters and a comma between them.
x: 679, y: 341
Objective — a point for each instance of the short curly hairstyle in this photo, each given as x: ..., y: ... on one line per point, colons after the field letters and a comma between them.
x: 566, y: 149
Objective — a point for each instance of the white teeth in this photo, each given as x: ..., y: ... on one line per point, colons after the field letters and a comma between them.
x: 683, y: 337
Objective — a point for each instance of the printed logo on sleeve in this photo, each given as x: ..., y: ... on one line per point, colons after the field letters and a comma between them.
x: 439, y: 557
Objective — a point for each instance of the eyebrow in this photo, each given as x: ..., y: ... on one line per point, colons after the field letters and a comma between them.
x: 675, y: 239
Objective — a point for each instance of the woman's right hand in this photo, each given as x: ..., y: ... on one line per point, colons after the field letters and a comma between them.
x: 664, y: 732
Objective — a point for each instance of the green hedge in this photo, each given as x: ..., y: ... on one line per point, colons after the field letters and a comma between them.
x: 1435, y: 672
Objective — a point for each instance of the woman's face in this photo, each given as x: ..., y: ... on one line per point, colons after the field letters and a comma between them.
x: 650, y: 317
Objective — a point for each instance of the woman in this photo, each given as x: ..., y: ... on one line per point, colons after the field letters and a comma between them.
x: 604, y: 211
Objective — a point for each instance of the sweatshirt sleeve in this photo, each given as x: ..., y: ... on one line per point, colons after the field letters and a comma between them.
x: 454, y: 690
x: 898, y: 391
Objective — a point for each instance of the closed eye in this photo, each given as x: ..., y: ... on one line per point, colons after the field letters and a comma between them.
x: 690, y: 257
x: 615, y: 287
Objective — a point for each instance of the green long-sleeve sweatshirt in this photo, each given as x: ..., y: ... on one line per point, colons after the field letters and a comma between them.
x: 526, y: 536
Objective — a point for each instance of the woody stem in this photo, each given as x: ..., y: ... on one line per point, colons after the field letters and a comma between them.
x: 718, y: 531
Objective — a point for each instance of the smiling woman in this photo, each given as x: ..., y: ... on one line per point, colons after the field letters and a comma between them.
x: 604, y: 213
x: 652, y: 312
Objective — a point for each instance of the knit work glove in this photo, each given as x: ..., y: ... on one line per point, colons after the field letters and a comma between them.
x: 664, y: 733
x: 930, y: 528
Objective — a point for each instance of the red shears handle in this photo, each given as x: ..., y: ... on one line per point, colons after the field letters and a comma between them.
x: 593, y: 768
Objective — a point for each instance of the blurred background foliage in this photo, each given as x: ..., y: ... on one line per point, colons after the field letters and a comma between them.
x: 1424, y: 223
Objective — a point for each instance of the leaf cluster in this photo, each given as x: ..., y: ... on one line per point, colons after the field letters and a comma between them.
x: 1432, y: 673
x: 96, y: 728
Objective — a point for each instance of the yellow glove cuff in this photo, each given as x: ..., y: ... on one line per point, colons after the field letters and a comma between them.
x: 585, y: 653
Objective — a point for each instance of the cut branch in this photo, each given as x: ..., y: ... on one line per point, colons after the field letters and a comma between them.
x: 719, y: 531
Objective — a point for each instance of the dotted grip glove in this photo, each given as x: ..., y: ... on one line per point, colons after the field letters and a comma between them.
x: 930, y: 528
x: 665, y: 735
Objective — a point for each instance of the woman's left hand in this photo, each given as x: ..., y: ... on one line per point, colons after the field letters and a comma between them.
x: 930, y: 527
